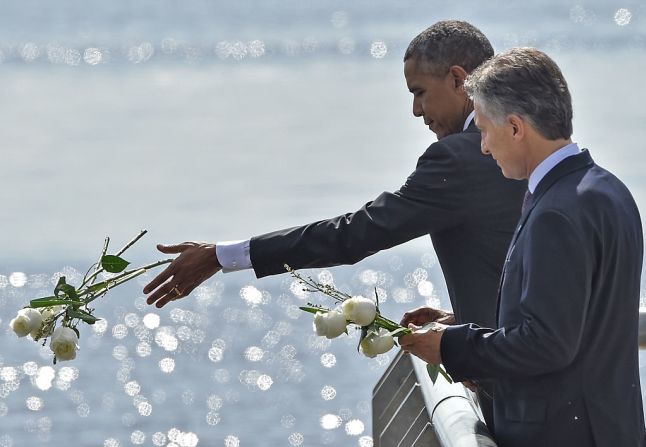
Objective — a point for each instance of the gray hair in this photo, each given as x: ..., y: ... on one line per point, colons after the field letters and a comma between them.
x: 448, y: 43
x: 527, y: 83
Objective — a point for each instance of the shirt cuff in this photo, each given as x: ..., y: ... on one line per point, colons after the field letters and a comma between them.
x: 233, y: 255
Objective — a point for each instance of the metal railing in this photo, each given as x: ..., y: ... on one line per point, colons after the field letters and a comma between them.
x: 408, y: 410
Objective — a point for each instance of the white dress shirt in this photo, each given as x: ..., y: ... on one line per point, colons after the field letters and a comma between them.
x: 234, y: 255
x: 548, y: 164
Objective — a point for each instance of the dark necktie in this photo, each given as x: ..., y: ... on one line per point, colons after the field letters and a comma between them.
x: 526, y: 200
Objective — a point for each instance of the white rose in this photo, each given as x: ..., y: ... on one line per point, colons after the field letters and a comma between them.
x: 64, y: 343
x: 359, y: 310
x: 26, y: 321
x: 373, y: 344
x: 330, y: 324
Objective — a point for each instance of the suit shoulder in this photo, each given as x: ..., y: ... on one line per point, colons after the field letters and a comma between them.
x: 458, y: 144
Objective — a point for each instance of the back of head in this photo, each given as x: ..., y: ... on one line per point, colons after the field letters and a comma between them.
x: 527, y: 83
x: 448, y: 43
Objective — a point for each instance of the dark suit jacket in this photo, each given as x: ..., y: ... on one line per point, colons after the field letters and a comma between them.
x: 456, y: 194
x: 565, y: 359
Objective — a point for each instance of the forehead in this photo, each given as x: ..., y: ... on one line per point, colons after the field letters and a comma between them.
x: 419, y: 72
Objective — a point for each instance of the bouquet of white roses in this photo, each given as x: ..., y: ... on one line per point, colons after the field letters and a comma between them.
x: 377, y: 332
x: 57, y: 316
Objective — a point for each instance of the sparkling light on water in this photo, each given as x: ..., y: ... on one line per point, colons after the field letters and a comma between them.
x: 214, y: 402
x: 328, y: 360
x: 623, y: 17
x: 330, y: 421
x: 403, y: 296
x: 92, y: 56
x: 132, y: 388
x: 231, y: 441
x: 366, y: 441
x: 18, y: 279
x: 138, y: 437
x: 264, y: 382
x: 167, y: 365
x: 297, y: 289
x: 34, y: 403
x: 425, y: 288
x: 44, y: 377
x: 354, y: 427
x: 159, y: 439
x: 212, y: 418
x: 296, y: 439
x: 378, y: 49
x: 151, y: 321
x: 328, y: 392
x: 145, y: 409
x: 120, y: 331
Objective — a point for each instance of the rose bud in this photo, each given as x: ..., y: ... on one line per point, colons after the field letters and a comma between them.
x: 373, y: 344
x: 64, y: 343
x: 359, y: 310
x: 26, y: 321
x: 330, y: 324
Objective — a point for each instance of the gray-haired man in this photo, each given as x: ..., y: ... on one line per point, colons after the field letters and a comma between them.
x: 564, y: 358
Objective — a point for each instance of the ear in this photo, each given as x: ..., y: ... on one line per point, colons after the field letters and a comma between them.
x: 458, y: 75
x: 518, y: 126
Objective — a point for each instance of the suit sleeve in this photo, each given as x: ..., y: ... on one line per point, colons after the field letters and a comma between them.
x: 556, y: 288
x: 431, y: 199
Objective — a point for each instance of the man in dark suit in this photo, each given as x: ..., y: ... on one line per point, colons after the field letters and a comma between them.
x: 565, y: 357
x: 456, y: 195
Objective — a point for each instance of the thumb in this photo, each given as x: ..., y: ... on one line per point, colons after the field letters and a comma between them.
x: 413, y: 327
x: 171, y: 249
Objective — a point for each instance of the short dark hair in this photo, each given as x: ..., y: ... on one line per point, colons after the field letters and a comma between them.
x: 524, y: 82
x: 448, y: 43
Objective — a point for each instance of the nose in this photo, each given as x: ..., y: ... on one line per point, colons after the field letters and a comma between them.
x: 417, y: 108
x: 483, y: 147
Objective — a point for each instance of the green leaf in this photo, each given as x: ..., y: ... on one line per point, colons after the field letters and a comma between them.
x: 59, y: 284
x: 446, y: 375
x: 433, y: 371
x: 314, y: 309
x: 113, y: 264
x: 66, y: 289
x: 49, y: 301
x: 82, y: 315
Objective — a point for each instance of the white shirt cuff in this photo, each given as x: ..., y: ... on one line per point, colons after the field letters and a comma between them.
x: 233, y: 255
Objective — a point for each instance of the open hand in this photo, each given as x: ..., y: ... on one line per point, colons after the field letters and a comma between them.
x: 196, y: 263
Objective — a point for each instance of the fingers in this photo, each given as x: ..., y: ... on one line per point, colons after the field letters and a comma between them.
x: 157, y: 281
x: 167, y: 293
x: 174, y: 249
x: 418, y: 316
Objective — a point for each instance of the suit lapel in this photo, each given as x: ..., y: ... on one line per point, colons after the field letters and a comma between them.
x: 565, y: 167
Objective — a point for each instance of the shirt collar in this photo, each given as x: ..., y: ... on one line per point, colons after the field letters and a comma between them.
x: 548, y: 164
x: 469, y: 119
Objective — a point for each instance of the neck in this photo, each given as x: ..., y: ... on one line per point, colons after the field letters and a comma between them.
x: 543, y: 149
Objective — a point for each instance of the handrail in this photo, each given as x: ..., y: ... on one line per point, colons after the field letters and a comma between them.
x: 410, y: 411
